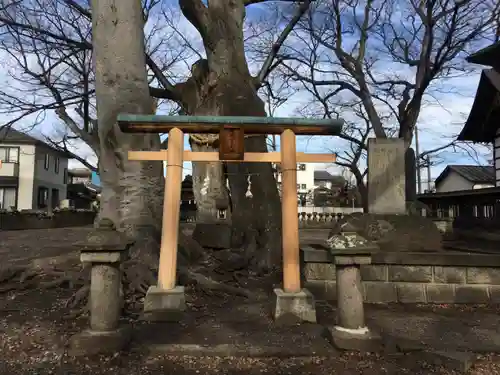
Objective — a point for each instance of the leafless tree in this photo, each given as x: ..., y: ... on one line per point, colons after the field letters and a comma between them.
x: 377, y: 62
x: 50, y: 44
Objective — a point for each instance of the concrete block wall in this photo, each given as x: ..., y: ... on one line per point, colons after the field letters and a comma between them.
x: 416, y: 283
x: 30, y: 219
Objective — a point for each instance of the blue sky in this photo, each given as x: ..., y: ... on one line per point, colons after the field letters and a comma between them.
x: 439, y: 122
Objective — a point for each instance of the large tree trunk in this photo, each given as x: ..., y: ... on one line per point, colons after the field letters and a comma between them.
x: 132, y: 191
x: 410, y: 175
x: 213, y: 214
x: 255, y: 204
x: 222, y: 86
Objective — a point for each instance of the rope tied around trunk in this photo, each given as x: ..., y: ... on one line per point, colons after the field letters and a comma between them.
x: 210, y: 139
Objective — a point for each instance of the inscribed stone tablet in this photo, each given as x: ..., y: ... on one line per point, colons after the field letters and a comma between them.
x: 386, y: 176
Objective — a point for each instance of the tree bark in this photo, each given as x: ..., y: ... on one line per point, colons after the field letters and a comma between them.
x: 222, y: 86
x: 410, y: 175
x: 255, y: 213
x: 363, y: 192
x: 132, y: 191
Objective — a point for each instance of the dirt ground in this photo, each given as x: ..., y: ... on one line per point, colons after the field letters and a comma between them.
x: 34, y: 331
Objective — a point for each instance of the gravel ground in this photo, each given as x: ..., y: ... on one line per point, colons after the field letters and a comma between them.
x: 34, y: 331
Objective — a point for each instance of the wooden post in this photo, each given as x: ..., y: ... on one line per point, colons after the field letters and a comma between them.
x: 289, y: 209
x: 171, y: 210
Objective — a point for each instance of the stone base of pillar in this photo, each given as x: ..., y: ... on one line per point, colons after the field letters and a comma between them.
x: 293, y: 308
x: 162, y: 305
x: 90, y: 342
x: 361, y: 339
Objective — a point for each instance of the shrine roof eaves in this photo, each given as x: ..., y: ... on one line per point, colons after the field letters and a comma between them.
x: 480, y: 125
x: 130, y: 123
x: 486, y: 56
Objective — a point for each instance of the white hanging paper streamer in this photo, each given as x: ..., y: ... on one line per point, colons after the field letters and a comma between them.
x: 249, y: 194
x: 204, y: 187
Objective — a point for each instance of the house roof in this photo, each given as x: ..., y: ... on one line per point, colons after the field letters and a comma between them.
x: 487, y: 56
x: 326, y: 176
x: 482, y: 123
x: 80, y: 172
x: 474, y: 173
x: 323, y: 176
x: 9, y: 135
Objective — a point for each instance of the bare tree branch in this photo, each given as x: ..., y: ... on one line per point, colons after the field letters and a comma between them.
x: 268, y: 63
x: 169, y: 91
x: 62, y: 146
x: 196, y: 12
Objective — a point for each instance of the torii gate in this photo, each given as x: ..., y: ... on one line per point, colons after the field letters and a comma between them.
x: 166, y: 297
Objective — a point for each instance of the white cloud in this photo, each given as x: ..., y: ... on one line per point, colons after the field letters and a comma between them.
x: 440, y: 119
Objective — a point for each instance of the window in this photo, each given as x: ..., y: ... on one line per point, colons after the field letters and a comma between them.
x: 298, y: 186
x: 301, y: 167
x: 43, y: 197
x: 56, y: 165
x: 9, y: 154
x: 65, y: 176
x: 55, y: 198
x: 46, y: 162
x: 303, y: 186
x: 14, y: 154
x: 8, y: 198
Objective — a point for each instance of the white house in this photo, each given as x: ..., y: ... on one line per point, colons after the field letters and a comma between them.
x: 33, y: 175
x: 326, y: 180
x: 465, y: 177
x: 305, y: 178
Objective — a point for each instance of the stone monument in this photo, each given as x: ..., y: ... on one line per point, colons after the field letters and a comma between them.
x: 386, y: 176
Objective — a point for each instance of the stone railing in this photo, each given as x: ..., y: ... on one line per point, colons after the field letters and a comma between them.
x: 313, y: 220
x: 329, y: 210
x: 33, y: 219
x: 318, y: 219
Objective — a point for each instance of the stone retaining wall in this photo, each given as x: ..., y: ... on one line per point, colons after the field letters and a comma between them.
x: 326, y: 221
x: 31, y: 219
x: 412, y: 277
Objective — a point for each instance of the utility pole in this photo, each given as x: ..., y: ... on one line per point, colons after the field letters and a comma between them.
x: 417, y: 162
x: 429, y: 173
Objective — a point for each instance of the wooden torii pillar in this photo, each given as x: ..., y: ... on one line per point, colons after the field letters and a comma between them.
x: 166, y: 297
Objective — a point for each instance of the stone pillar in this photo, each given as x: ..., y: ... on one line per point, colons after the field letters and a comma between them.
x: 105, y: 281
x: 386, y: 176
x: 350, y: 251
x: 351, y: 314
x: 104, y: 251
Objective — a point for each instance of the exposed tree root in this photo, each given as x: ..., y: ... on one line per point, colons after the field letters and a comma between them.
x: 26, y: 277
x: 76, y: 313
x: 205, y: 282
x: 79, y: 298
x: 138, y: 276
